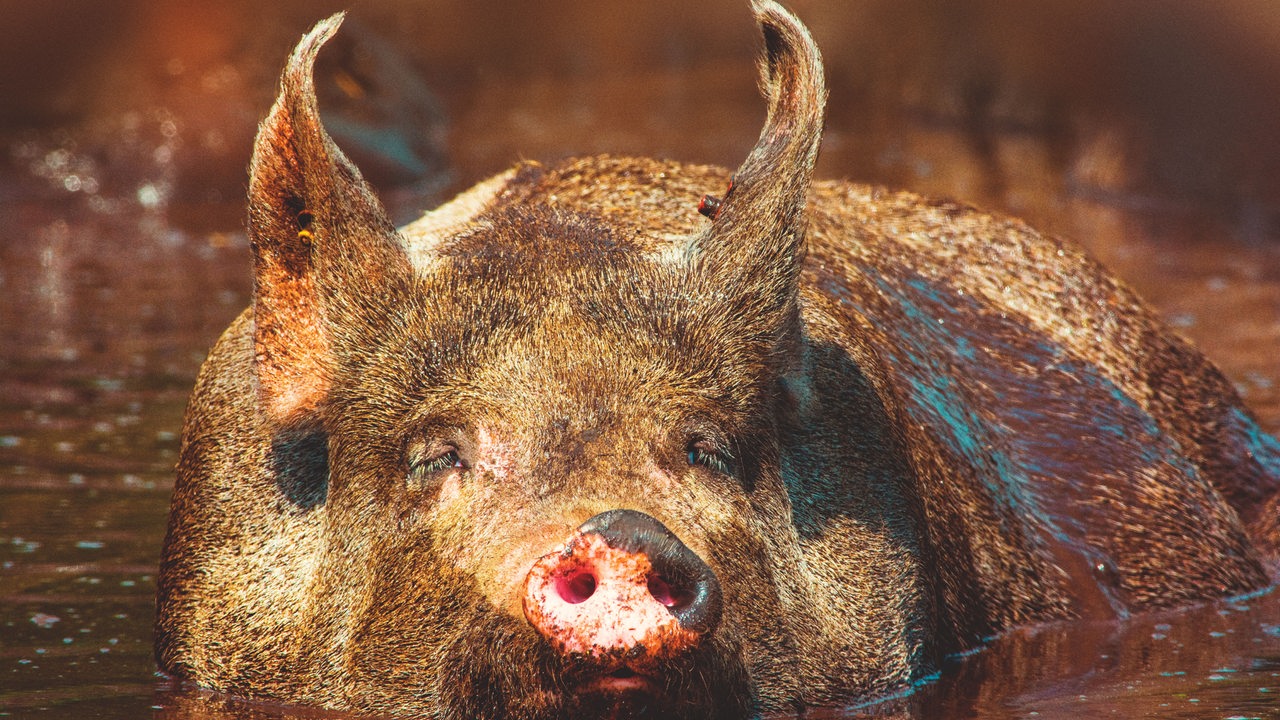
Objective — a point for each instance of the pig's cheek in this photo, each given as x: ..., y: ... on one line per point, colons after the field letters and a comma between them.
x: 680, y: 492
x: 451, y: 489
x: 494, y: 456
x: 489, y: 473
x: 659, y: 479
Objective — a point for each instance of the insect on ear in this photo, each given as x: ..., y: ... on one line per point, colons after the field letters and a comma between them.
x: 304, y: 227
x: 710, y: 205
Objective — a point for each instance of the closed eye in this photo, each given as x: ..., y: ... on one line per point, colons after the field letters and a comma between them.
x: 425, y: 464
x: 443, y: 462
x: 716, y: 460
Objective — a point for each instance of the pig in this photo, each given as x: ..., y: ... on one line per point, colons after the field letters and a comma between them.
x: 623, y: 437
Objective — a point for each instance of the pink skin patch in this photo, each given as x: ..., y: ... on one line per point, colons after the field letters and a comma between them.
x: 493, y: 456
x: 595, y: 600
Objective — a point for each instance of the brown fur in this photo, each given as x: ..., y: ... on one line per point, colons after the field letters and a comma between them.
x: 942, y: 425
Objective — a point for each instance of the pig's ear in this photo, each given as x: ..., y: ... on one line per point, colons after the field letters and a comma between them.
x: 322, y: 243
x: 755, y: 240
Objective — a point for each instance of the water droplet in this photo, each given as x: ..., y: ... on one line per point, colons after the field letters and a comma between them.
x: 108, y: 384
x: 149, y: 196
x: 45, y: 620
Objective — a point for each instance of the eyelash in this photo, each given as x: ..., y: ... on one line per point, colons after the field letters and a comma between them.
x: 711, y: 459
x: 423, y: 469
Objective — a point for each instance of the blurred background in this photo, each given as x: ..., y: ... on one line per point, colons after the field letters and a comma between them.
x: 1172, y: 101
x: 1146, y: 131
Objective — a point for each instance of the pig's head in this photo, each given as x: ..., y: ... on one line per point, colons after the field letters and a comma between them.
x: 540, y: 455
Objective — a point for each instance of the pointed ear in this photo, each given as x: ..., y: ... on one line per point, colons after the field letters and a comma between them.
x: 755, y: 240
x: 321, y: 241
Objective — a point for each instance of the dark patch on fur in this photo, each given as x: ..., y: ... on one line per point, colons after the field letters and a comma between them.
x: 300, y: 465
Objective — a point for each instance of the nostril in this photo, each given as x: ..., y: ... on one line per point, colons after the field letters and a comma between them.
x: 576, y: 586
x: 625, y: 587
x: 679, y: 580
x: 667, y: 594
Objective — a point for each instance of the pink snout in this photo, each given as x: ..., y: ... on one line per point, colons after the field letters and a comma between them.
x: 623, y: 584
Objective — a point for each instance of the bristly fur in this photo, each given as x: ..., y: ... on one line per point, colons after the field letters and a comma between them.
x: 938, y: 424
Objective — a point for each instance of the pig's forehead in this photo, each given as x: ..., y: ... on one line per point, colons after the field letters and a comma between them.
x: 596, y: 335
x: 572, y: 374
x: 562, y: 335
x: 528, y: 265
x: 566, y: 378
x: 534, y: 239
x: 569, y: 274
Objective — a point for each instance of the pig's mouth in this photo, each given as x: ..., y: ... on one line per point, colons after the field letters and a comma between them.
x: 641, y: 686
x: 625, y: 692
x: 623, y: 681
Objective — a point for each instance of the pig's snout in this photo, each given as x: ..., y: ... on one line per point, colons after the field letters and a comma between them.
x: 623, y: 584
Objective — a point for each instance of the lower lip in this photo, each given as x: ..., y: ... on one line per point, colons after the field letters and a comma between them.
x: 617, y: 685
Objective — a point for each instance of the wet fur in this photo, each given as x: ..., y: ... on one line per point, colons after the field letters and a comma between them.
x: 944, y: 425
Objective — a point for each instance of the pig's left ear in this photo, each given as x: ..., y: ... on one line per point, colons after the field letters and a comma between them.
x: 324, y: 249
x: 755, y: 240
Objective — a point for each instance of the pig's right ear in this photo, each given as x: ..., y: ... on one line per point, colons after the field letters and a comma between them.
x: 323, y: 246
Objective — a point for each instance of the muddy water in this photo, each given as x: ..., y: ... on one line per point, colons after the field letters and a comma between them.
x: 1143, y: 136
